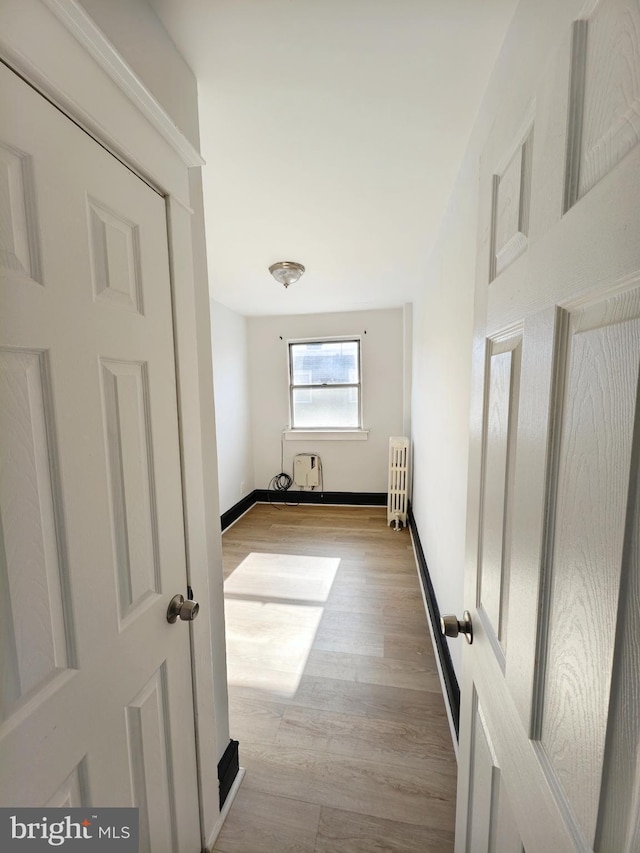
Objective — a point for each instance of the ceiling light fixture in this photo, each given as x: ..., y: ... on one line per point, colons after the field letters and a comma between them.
x: 286, y: 272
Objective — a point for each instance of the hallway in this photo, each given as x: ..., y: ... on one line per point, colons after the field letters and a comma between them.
x: 334, y: 691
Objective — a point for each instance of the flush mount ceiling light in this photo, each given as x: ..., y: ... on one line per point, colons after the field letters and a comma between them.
x: 286, y: 272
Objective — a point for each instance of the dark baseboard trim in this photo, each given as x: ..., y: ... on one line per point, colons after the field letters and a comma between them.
x: 292, y: 496
x: 228, y: 767
x: 448, y: 673
x: 227, y: 518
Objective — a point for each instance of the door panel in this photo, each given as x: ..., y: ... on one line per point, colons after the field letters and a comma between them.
x: 550, y: 716
x: 115, y: 258
x: 492, y: 826
x: 35, y: 629
x: 19, y: 251
x: 484, y: 783
x: 133, y: 514
x: 500, y: 429
x: 619, y: 820
x: 72, y: 794
x: 607, y: 70
x: 99, y: 684
x: 597, y: 426
x: 511, y: 199
x: 148, y: 742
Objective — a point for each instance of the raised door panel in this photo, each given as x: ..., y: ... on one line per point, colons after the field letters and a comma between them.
x: 35, y: 622
x: 130, y: 467
x: 114, y: 242
x: 606, y: 85
x: 505, y: 838
x: 149, y: 751
x: 18, y: 235
x: 500, y: 431
x: 619, y: 819
x: 72, y: 793
x: 594, y: 523
x: 483, y: 787
x: 541, y: 363
x: 511, y: 201
x: 491, y: 827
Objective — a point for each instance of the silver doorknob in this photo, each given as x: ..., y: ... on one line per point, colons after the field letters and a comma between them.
x: 181, y: 609
x: 451, y: 626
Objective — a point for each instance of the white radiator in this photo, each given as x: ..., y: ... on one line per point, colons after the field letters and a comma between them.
x: 398, y: 481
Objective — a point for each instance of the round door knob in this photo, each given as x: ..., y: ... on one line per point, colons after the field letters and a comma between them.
x: 181, y: 609
x: 451, y: 626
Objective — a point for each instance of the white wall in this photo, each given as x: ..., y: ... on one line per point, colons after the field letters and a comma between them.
x: 135, y: 29
x: 443, y: 318
x: 443, y: 325
x: 348, y: 466
x: 229, y: 344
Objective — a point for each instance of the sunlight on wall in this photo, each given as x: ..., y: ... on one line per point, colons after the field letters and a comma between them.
x: 274, y: 604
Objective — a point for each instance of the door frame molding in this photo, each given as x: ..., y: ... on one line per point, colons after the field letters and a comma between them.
x: 79, y: 71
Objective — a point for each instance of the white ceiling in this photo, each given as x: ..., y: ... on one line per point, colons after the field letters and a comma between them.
x: 333, y: 131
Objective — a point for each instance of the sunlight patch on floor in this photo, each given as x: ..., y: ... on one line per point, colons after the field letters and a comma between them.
x: 273, y: 606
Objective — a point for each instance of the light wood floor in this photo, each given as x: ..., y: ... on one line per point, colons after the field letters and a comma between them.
x: 334, y: 691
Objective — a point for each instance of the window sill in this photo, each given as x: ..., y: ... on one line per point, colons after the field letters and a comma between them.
x: 326, y: 434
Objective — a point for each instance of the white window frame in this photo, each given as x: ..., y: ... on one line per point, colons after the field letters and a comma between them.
x: 336, y: 432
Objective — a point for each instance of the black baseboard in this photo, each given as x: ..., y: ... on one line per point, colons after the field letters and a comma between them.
x: 227, y: 518
x: 442, y: 647
x: 228, y: 767
x: 293, y: 496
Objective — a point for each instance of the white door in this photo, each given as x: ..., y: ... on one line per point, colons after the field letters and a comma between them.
x: 96, y: 695
x: 550, y: 722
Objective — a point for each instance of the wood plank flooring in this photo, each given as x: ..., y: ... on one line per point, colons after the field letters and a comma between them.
x: 333, y: 688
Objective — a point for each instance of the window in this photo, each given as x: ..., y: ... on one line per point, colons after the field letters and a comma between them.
x: 325, y: 384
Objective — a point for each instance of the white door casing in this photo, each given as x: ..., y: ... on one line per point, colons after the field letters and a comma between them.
x: 550, y: 718
x: 97, y: 696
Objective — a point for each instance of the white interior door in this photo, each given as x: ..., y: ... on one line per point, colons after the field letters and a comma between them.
x: 550, y: 723
x: 96, y: 696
